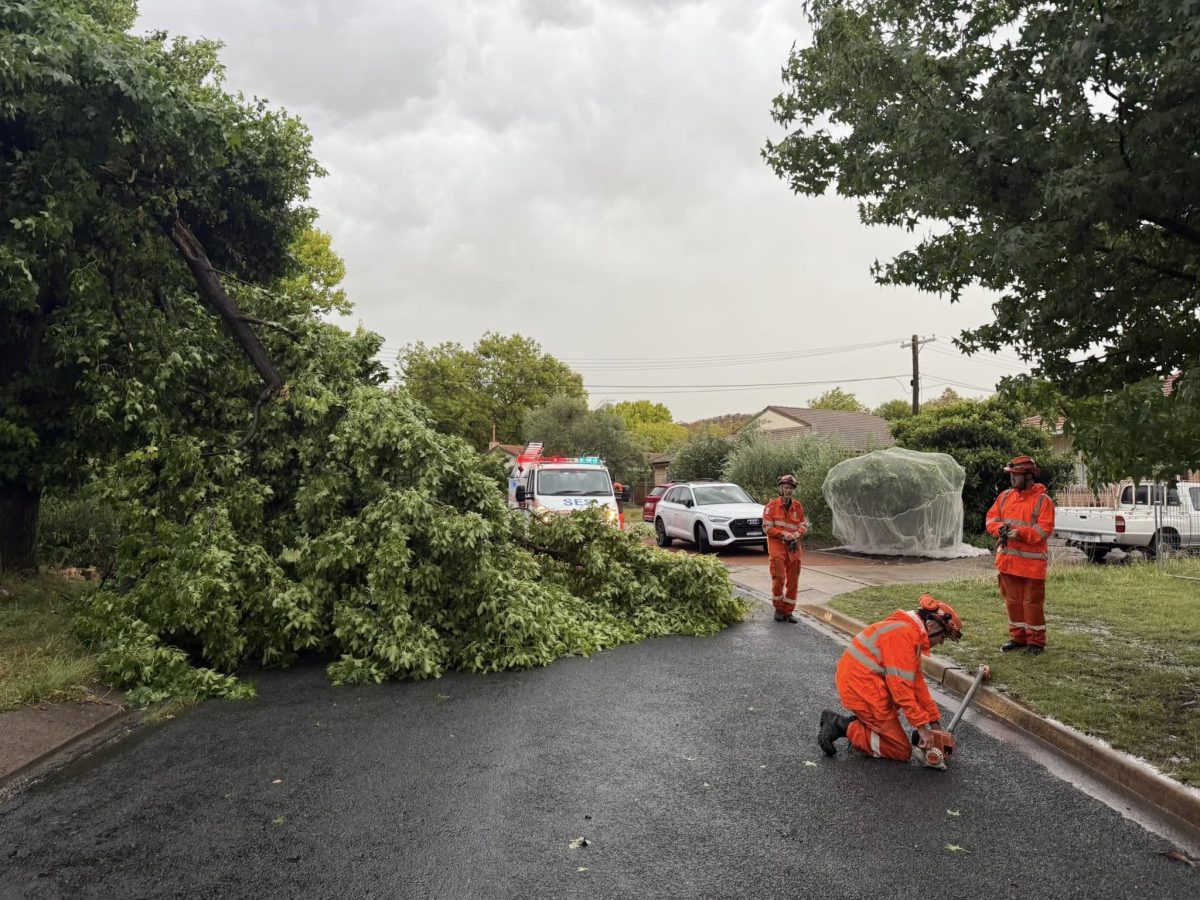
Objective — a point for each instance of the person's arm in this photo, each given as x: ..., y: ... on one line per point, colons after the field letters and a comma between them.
x: 993, y: 517
x: 803, y: 519
x: 902, y: 668
x: 769, y: 524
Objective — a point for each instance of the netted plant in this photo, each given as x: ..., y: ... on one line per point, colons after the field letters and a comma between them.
x: 757, y: 463
x: 899, y: 502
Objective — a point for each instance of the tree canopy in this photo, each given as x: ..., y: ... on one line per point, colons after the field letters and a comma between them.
x: 566, y: 427
x: 497, y: 382
x: 1046, y: 150
x: 836, y: 398
x: 163, y: 340
x: 651, y: 424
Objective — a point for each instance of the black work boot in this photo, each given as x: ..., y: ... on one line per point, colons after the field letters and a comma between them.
x: 1010, y: 646
x: 833, y: 727
x: 779, y: 616
x: 1035, y: 650
x: 788, y: 617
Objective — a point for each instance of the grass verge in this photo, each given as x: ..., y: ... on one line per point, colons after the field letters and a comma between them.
x: 40, y: 659
x: 1122, y: 660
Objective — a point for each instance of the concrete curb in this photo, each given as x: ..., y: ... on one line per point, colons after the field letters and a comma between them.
x: 1119, y: 768
x: 76, y: 745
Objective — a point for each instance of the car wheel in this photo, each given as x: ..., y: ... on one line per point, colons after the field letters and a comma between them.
x: 702, y: 543
x: 660, y: 534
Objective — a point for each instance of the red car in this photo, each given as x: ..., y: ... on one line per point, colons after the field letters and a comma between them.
x: 651, y: 502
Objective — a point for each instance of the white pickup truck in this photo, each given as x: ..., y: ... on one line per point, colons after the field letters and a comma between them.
x: 1146, y: 517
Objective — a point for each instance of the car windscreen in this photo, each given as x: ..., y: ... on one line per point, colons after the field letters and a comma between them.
x: 573, y: 483
x: 721, y: 493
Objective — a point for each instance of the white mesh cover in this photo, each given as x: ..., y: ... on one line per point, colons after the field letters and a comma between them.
x: 899, y: 502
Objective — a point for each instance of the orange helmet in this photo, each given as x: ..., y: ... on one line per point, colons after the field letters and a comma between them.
x: 942, y: 613
x: 787, y: 479
x: 1023, y: 465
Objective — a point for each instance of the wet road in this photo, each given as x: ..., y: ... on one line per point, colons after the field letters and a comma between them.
x: 685, y: 764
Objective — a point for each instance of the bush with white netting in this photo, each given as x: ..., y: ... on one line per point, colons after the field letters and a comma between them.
x: 898, y: 502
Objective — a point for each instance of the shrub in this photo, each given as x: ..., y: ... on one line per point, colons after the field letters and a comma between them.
x: 76, y: 531
x: 700, y: 457
x: 757, y: 463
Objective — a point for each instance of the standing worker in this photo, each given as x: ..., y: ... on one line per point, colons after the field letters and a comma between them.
x: 880, y: 674
x: 1022, y: 520
x: 784, y: 525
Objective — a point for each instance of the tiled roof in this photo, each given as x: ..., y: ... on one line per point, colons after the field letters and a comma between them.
x: 854, y: 429
x: 510, y: 449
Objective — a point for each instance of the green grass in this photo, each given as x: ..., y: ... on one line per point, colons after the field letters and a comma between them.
x: 40, y: 659
x: 1122, y: 660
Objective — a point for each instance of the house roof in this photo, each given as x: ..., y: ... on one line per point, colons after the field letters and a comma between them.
x: 855, y: 429
x: 659, y: 458
x: 510, y: 449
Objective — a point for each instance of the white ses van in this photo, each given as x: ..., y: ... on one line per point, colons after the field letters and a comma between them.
x: 560, y: 485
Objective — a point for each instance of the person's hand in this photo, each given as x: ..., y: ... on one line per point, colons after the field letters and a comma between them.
x: 925, y: 733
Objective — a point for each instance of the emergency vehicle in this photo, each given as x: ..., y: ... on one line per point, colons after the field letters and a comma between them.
x: 561, y: 484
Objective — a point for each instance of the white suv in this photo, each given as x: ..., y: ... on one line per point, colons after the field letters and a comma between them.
x: 709, y: 514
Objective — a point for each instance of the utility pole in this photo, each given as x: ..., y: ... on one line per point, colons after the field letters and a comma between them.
x: 916, y: 343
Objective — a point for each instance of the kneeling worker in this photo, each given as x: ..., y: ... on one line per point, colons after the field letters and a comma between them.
x: 880, y: 673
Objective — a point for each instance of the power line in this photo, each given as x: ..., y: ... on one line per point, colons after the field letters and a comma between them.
x: 704, y: 388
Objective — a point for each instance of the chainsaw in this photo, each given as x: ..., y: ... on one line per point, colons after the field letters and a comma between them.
x: 941, y: 746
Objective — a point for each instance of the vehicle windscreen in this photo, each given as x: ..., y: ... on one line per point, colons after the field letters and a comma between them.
x: 711, y: 495
x: 574, y: 483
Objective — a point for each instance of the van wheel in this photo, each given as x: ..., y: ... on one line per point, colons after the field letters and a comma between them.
x: 702, y: 543
x: 660, y: 534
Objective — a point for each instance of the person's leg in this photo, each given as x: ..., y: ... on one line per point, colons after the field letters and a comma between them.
x: 1034, y: 596
x: 1014, y: 603
x: 778, y: 577
x: 880, y: 736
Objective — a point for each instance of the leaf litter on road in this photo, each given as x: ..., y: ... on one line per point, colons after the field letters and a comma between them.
x: 578, y: 842
x: 954, y: 848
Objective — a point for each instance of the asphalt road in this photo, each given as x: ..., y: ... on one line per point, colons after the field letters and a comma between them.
x: 685, y: 764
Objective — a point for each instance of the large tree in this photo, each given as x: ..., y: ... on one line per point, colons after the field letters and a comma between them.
x: 134, y: 187
x: 566, y: 427
x: 837, y: 399
x: 651, y: 424
x: 1047, y: 150
x: 495, y: 383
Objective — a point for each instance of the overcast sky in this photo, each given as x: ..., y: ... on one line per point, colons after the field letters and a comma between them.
x: 586, y: 173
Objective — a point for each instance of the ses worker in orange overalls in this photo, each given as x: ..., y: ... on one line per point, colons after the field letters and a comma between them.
x: 1021, y: 520
x: 880, y: 674
x: 784, y: 525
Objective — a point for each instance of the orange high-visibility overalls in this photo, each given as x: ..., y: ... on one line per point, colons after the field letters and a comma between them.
x: 785, y: 561
x: 1022, y: 562
x: 879, y: 674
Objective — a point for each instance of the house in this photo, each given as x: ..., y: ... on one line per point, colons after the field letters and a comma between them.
x: 858, y: 432
x: 510, y: 452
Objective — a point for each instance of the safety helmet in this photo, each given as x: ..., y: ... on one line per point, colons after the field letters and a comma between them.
x: 787, y: 479
x: 1023, y: 465
x: 942, y: 613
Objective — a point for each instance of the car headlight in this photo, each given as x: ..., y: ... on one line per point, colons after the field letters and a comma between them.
x: 718, y: 520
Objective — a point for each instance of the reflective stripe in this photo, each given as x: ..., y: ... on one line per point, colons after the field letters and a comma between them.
x: 1022, y: 553
x: 870, y: 642
x: 865, y: 660
x: 1037, y: 508
x: 1026, y: 626
x: 875, y: 751
x: 1042, y: 533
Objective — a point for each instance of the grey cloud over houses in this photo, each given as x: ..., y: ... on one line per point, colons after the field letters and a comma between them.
x: 587, y: 173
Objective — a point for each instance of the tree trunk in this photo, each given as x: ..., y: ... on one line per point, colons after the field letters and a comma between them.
x: 18, y: 527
